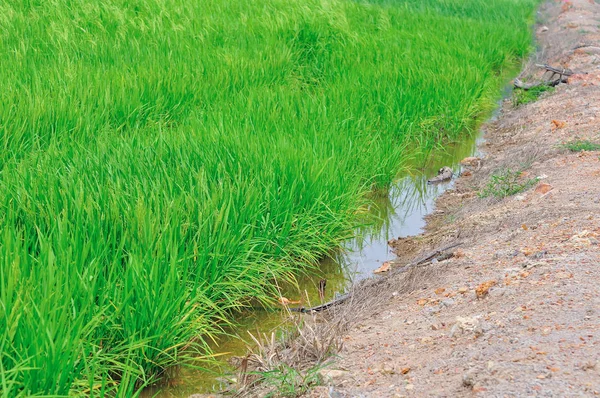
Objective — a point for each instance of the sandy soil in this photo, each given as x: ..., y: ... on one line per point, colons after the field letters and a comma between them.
x: 536, y: 330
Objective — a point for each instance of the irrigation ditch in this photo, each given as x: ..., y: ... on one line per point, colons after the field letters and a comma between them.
x: 401, y: 214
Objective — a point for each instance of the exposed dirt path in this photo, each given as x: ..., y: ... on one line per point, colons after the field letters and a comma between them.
x: 537, y: 330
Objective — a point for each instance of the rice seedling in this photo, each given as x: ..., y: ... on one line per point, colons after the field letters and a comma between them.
x: 163, y: 163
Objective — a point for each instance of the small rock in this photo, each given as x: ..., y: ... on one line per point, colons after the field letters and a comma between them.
x: 464, y: 325
x: 468, y: 379
x: 387, y: 370
x: 431, y: 310
x: 544, y: 29
x: 463, y: 290
x: 497, y: 292
x: 589, y: 365
x: 447, y: 303
x: 331, y: 375
x: 426, y: 340
x: 436, y: 326
x: 520, y: 198
x: 540, y: 254
x: 410, y: 387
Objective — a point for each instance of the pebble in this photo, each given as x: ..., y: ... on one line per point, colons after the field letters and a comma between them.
x: 329, y: 375
x: 431, y: 310
x: 387, y: 370
x: 448, y: 302
x: 468, y: 379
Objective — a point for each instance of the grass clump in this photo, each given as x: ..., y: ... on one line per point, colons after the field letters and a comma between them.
x: 523, y: 97
x: 581, y: 145
x: 505, y: 183
x: 286, y: 381
x: 163, y: 163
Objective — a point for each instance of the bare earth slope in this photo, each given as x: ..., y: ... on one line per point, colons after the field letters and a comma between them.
x: 537, y: 330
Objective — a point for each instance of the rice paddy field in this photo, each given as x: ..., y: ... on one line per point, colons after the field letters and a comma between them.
x: 163, y: 163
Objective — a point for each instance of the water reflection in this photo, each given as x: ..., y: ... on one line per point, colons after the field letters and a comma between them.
x: 403, y: 212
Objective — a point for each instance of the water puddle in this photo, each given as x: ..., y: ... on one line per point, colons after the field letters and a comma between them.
x: 401, y: 214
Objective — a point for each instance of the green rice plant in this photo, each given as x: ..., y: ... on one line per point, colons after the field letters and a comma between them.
x: 581, y: 145
x: 523, y: 97
x: 506, y: 182
x: 162, y: 164
x: 286, y: 381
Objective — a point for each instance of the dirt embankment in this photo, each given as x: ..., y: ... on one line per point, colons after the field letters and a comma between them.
x: 516, y: 311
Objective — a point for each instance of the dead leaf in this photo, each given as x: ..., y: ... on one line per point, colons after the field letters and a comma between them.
x: 440, y: 290
x: 285, y: 301
x: 385, y: 267
x: 558, y: 124
x: 463, y: 290
x: 563, y: 275
x: 471, y: 161
x: 422, y: 301
x: 405, y: 370
x: 483, y: 289
x: 528, y: 251
x: 543, y: 188
x: 525, y: 227
x: 553, y: 369
x: 458, y: 253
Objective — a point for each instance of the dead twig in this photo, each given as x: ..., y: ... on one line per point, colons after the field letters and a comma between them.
x: 561, y: 71
x: 528, y: 86
x: 322, y: 307
x: 339, y: 300
x: 431, y: 255
x: 552, y: 82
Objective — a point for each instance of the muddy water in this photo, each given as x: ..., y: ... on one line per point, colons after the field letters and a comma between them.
x: 400, y: 214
